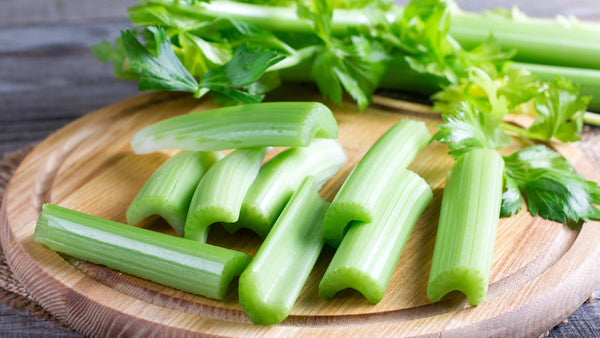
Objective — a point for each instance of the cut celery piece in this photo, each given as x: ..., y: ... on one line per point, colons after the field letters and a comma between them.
x: 292, y: 124
x: 369, y: 252
x: 356, y: 199
x: 187, y: 265
x: 168, y: 191
x: 281, y: 176
x: 270, y: 285
x: 220, y: 193
x: 469, y: 215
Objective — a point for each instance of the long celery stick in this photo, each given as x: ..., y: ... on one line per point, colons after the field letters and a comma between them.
x: 219, y: 195
x: 469, y: 215
x: 177, y: 262
x: 270, y: 285
x: 369, y: 252
x: 362, y: 190
x: 534, y: 39
x: 169, y: 190
x: 281, y: 176
x: 292, y: 124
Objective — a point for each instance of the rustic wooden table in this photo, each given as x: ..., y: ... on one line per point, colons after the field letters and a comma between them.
x: 48, y: 77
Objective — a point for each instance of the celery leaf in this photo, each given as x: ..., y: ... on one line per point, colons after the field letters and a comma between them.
x: 551, y: 186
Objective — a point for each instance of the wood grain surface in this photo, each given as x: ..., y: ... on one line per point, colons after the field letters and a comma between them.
x: 48, y: 78
x: 541, y: 272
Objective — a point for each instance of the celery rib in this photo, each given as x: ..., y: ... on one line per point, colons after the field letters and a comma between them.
x: 363, y: 188
x: 288, y: 124
x: 168, y: 191
x: 220, y: 193
x: 198, y: 268
x: 469, y: 216
x: 281, y: 176
x: 270, y: 285
x: 369, y: 252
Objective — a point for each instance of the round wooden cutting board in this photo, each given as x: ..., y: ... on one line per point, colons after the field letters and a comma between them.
x: 542, y: 271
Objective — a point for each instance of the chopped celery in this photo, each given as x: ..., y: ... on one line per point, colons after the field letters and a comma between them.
x: 361, y: 191
x: 219, y: 196
x: 281, y: 176
x: 270, y: 285
x: 169, y: 190
x: 369, y: 252
x: 177, y: 262
x: 469, y: 215
x: 292, y: 124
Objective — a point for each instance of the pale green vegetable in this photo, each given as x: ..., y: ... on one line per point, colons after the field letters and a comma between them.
x: 281, y: 176
x: 287, y: 124
x: 363, y: 188
x: 187, y: 265
x: 168, y: 191
x: 270, y: 285
x: 469, y: 216
x: 369, y: 252
x: 219, y: 195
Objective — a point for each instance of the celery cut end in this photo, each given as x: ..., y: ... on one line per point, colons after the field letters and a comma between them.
x: 338, y: 219
x: 234, y: 267
x: 145, y: 207
x: 349, y: 277
x: 252, y: 300
x: 470, y: 282
x: 198, y: 223
x: 326, y: 125
x: 255, y: 219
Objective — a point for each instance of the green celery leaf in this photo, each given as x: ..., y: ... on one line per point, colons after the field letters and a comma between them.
x: 246, y: 66
x: 163, y: 71
x: 468, y: 128
x: 106, y: 52
x: 512, y: 200
x: 199, y: 56
x: 551, y: 186
x: 560, y: 110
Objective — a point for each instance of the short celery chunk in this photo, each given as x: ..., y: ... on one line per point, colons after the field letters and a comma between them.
x: 369, y: 252
x: 270, y: 285
x: 198, y: 268
x: 168, y: 191
x: 288, y: 124
x: 469, y: 215
x: 281, y: 176
x: 220, y: 193
x: 363, y: 188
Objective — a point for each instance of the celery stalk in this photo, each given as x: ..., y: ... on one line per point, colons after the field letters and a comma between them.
x: 168, y: 191
x: 177, y: 262
x: 290, y: 124
x: 270, y: 285
x: 362, y: 190
x: 469, y: 215
x: 281, y: 176
x: 369, y: 252
x: 219, y: 196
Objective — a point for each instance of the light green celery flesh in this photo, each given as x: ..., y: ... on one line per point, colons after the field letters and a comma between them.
x: 168, y: 191
x: 270, y: 285
x: 369, y: 252
x: 292, y: 124
x: 281, y: 176
x: 220, y: 193
x: 362, y: 190
x: 187, y: 265
x: 469, y: 216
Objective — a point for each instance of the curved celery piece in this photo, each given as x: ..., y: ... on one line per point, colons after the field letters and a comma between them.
x: 187, y: 265
x: 270, y: 285
x: 281, y: 176
x: 288, y: 124
x: 469, y: 215
x: 168, y: 191
x: 356, y: 199
x: 220, y: 193
x: 369, y: 252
